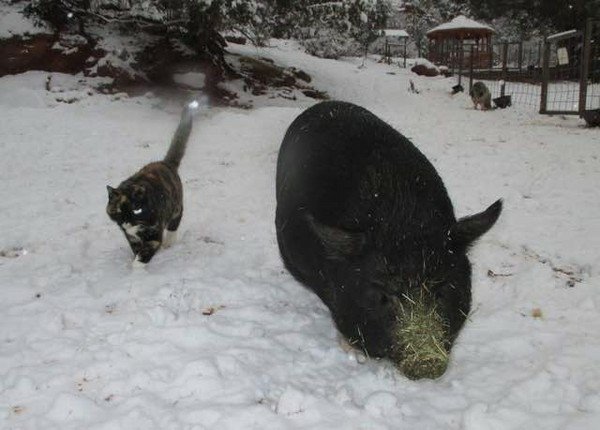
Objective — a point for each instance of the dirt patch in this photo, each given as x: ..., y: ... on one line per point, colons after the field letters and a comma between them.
x: 161, y: 61
x: 423, y: 70
x: 166, y: 59
x: 154, y: 67
x: 262, y: 74
x: 46, y: 52
x: 240, y: 40
x: 315, y: 94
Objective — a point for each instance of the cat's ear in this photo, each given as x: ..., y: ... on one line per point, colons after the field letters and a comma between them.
x: 111, y: 191
x: 138, y: 192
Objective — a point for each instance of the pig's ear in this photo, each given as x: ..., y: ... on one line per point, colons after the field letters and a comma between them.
x: 338, y: 243
x: 468, y: 229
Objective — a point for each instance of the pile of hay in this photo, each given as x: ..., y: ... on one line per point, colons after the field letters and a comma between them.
x: 419, y: 350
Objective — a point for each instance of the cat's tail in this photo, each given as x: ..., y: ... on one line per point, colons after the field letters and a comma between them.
x: 181, y: 136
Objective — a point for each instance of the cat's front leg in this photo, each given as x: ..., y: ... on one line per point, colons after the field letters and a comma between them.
x: 134, y: 243
x: 171, y: 232
x: 148, y: 248
x: 146, y: 253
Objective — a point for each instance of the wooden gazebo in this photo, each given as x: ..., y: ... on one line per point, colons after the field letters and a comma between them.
x: 451, y: 42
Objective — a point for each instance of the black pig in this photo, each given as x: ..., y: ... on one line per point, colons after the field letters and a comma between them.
x: 364, y: 220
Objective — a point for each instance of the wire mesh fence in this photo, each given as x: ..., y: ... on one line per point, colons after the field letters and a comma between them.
x: 562, y: 73
x: 395, y: 50
x: 593, y: 77
x: 558, y: 75
x: 512, y: 68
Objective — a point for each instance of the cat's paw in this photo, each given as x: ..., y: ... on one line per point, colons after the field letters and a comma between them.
x: 138, y: 264
x: 169, y: 238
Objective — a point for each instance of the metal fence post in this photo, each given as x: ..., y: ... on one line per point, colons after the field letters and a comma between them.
x: 545, y: 77
x: 461, y: 54
x: 386, y: 52
x: 504, y: 67
x: 471, y: 59
x: 585, y: 65
x: 451, y: 57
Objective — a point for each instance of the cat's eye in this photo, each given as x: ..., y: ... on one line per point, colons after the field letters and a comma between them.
x: 137, y: 211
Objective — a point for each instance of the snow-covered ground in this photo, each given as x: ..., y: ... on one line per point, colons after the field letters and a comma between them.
x: 214, y: 334
x: 13, y: 23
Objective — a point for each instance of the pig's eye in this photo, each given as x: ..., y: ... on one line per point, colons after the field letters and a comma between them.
x: 137, y: 211
x: 375, y: 298
x: 384, y: 299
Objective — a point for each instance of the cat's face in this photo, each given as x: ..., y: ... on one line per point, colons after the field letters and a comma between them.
x: 127, y: 204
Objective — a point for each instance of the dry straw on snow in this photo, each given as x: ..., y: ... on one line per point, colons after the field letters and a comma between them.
x: 419, y: 351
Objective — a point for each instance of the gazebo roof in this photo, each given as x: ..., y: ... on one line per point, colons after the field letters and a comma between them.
x: 392, y: 32
x: 461, y: 26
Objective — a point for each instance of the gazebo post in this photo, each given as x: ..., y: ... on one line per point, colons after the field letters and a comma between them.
x: 490, y: 51
x: 430, y: 50
x: 460, y: 55
x: 476, y: 48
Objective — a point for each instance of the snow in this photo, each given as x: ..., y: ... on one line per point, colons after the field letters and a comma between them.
x: 13, y: 23
x: 561, y: 35
x: 424, y: 62
x: 395, y: 33
x: 195, y: 80
x: 214, y: 333
x: 461, y: 22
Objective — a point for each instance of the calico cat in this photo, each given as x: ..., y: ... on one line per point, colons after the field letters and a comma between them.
x: 151, y: 200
